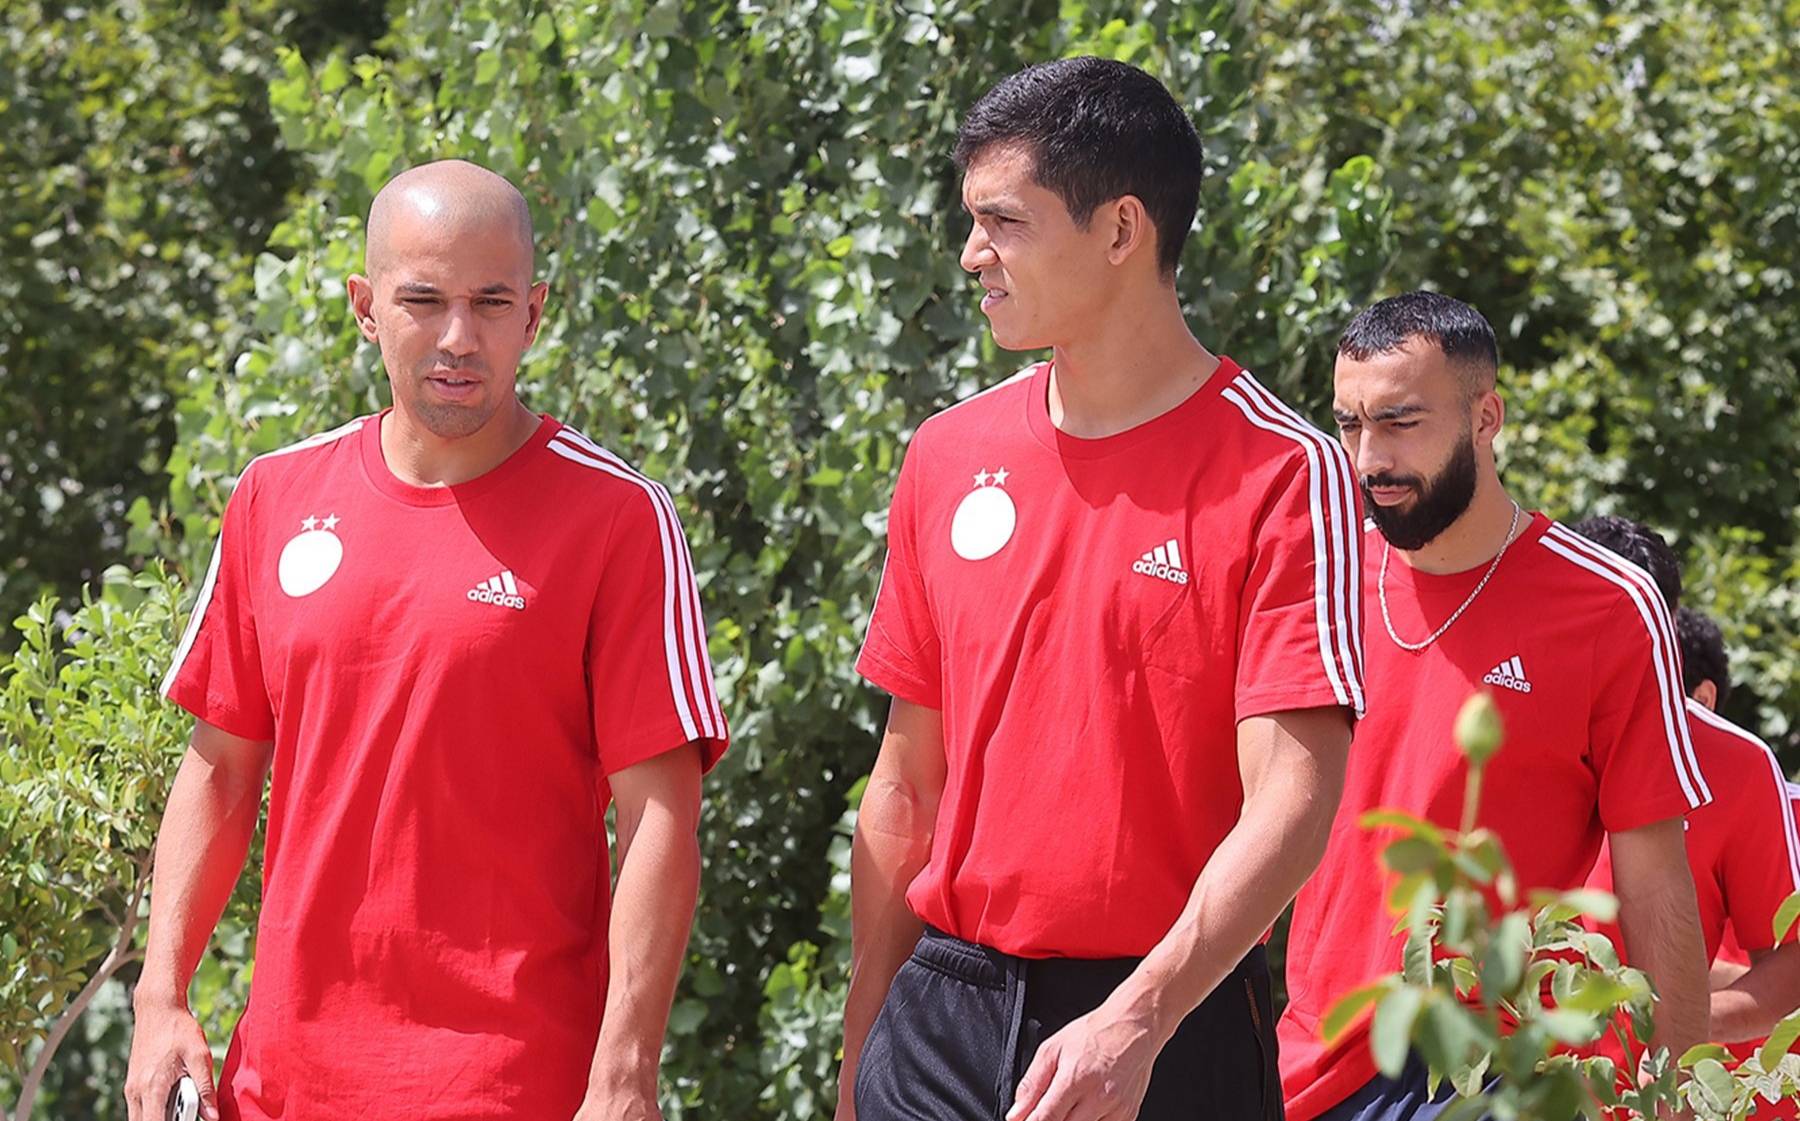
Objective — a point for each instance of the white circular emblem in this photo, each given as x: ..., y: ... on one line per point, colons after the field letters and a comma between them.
x: 310, y: 558
x: 985, y: 518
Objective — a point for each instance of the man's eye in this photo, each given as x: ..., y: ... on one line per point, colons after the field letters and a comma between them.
x: 1404, y: 425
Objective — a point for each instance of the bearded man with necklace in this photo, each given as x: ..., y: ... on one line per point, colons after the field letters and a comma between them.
x: 1576, y: 647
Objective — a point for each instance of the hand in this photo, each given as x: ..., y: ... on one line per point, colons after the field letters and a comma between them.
x: 165, y: 1044
x: 1097, y: 1068
x: 619, y: 1103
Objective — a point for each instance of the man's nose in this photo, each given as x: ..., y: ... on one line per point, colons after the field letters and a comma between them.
x: 458, y: 337
x: 1371, y: 455
x: 977, y: 251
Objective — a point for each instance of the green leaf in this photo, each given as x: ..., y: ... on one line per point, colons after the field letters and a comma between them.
x: 1698, y: 1051
x: 1347, y: 1008
x: 1411, y: 854
x: 1411, y: 824
x: 1390, y: 1035
x: 1781, y: 1040
x: 543, y: 31
x: 1785, y: 916
x: 1711, y: 1074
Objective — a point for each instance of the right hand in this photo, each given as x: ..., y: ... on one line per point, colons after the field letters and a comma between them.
x: 165, y: 1044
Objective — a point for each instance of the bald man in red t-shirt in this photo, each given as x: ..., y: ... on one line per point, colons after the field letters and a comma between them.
x: 454, y: 632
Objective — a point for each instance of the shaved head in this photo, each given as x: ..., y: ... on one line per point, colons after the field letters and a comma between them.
x: 447, y: 293
x: 446, y: 197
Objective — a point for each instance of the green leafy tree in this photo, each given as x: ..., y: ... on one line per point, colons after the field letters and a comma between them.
x: 142, y: 173
x: 88, y: 750
x: 1611, y: 183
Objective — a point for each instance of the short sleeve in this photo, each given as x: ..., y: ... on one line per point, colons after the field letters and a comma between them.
x: 901, y: 652
x: 1300, y: 612
x: 217, y: 673
x: 1762, y: 861
x: 1638, y: 741
x: 649, y: 674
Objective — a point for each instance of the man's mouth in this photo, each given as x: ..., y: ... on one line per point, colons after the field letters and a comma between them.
x: 1390, y: 494
x: 453, y: 384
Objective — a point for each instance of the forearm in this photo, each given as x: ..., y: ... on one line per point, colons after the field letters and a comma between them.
x: 891, y: 847
x: 206, y: 831
x: 1751, y: 1005
x: 1662, y: 936
x: 1250, y: 878
x: 647, y: 937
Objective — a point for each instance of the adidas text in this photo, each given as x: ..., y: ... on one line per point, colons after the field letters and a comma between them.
x: 499, y: 599
x: 1507, y: 680
x: 1160, y: 571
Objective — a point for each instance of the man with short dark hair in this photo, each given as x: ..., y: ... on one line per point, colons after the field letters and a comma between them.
x: 1577, y: 650
x: 1705, y: 672
x: 1118, y: 618
x: 1743, y: 848
x: 455, y: 631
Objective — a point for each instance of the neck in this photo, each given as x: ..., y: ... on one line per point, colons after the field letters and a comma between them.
x: 1474, y: 538
x: 421, y: 458
x: 1142, y: 362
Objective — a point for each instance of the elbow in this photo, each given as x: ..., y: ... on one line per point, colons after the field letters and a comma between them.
x: 893, y: 813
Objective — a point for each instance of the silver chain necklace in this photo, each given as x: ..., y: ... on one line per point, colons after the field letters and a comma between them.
x: 1381, y: 589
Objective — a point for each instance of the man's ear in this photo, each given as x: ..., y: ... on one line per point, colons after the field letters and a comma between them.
x: 534, y: 310
x: 1490, y: 415
x: 1132, y: 231
x: 1707, y: 695
x: 360, y: 291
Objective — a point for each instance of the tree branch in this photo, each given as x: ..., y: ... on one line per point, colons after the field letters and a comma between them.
x: 121, y: 954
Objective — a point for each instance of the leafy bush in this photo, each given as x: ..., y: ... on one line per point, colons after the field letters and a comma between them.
x: 1500, y: 996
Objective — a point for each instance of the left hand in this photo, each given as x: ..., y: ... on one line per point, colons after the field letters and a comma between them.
x: 1097, y: 1068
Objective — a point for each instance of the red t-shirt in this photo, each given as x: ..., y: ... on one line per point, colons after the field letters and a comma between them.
x: 1578, y: 651
x: 1093, y: 618
x: 1788, y: 1109
x: 449, y: 676
x: 1743, y: 849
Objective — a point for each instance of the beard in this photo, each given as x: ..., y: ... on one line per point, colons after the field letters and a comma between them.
x: 453, y: 420
x: 1438, y: 501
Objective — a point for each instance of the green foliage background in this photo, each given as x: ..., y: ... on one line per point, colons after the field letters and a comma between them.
x: 749, y: 223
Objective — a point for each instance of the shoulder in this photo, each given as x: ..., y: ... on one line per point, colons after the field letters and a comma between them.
x: 301, y: 459
x: 1725, y: 740
x: 601, y: 484
x: 1000, y: 403
x: 1269, y: 425
x: 1583, y: 572
x: 1272, y: 453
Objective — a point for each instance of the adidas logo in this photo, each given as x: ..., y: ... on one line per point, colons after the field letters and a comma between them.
x: 1510, y: 674
x: 1162, y: 562
x: 500, y: 591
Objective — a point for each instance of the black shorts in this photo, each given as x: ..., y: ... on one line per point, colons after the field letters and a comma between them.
x: 962, y: 1022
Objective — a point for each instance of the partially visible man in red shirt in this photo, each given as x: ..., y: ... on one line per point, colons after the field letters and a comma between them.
x: 1751, y: 990
x: 1742, y: 848
x: 1467, y: 591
